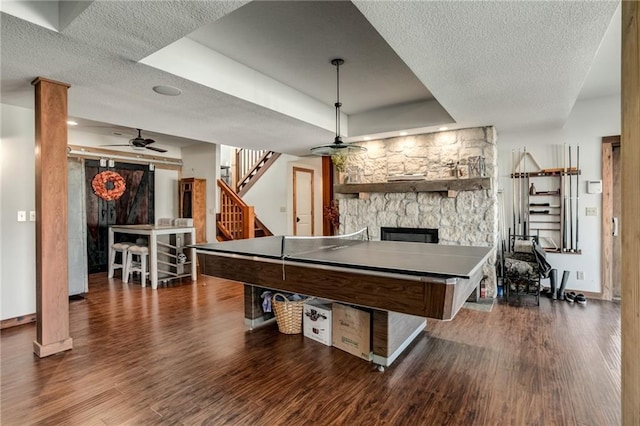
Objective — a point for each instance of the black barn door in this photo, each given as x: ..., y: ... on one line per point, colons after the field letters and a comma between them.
x: 135, y: 206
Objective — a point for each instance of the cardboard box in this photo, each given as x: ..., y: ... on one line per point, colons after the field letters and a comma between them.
x: 352, y: 330
x: 317, y: 319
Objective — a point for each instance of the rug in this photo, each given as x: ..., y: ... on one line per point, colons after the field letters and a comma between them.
x: 483, y: 305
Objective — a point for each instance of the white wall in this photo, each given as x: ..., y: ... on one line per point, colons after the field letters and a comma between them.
x: 589, y: 121
x: 17, y: 192
x: 166, y: 194
x: 202, y: 161
x: 269, y: 196
x: 272, y: 194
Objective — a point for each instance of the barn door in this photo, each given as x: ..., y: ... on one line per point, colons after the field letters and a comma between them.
x: 135, y: 206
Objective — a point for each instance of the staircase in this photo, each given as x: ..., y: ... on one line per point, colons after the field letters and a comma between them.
x: 250, y: 165
x: 237, y: 220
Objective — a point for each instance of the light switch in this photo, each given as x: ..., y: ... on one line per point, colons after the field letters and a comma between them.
x: 283, y: 209
x: 22, y: 216
x: 32, y: 216
x: 591, y: 211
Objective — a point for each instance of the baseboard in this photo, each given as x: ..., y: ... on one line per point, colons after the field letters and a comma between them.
x: 14, y: 322
x: 588, y: 294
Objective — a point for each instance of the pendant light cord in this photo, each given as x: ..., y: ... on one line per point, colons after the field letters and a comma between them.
x: 337, y: 147
x: 337, y: 104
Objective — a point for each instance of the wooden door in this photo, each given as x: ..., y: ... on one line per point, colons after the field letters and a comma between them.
x: 302, y: 202
x: 616, y: 258
x: 611, y: 215
x: 135, y: 206
x: 193, y: 205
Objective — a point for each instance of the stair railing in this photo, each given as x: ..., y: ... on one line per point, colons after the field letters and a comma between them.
x: 237, y: 219
x: 250, y: 165
x: 246, y: 161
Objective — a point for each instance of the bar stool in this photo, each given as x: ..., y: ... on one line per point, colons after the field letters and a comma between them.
x: 137, y: 266
x: 115, y: 249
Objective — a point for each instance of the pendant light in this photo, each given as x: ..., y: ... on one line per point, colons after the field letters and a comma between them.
x: 337, y: 147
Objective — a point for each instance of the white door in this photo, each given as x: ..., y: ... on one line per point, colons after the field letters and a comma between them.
x: 302, y: 201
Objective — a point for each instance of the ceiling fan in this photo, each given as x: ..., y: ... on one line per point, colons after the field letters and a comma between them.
x: 140, y: 143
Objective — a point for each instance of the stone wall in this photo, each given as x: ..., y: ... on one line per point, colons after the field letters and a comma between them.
x: 468, y: 219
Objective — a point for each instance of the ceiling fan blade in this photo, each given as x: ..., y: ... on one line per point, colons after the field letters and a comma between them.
x: 153, y: 148
x: 138, y: 143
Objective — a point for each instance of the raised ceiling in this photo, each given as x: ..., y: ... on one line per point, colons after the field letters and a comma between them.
x: 294, y: 42
x: 260, y: 76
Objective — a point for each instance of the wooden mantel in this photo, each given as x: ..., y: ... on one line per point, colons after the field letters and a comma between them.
x: 450, y: 187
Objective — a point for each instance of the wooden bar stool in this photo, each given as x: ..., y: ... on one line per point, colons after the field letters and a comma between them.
x: 113, y: 251
x: 137, y: 265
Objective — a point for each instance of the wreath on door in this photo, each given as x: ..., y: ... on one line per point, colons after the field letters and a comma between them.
x: 108, y: 185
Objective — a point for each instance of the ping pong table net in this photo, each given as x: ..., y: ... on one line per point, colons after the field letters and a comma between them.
x: 296, y: 246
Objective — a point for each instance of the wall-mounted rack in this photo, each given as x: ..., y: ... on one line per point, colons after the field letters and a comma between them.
x: 547, y: 208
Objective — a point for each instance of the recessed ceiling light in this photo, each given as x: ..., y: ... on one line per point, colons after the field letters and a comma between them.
x: 72, y: 123
x: 367, y: 138
x: 403, y: 133
x: 167, y: 90
x: 443, y: 128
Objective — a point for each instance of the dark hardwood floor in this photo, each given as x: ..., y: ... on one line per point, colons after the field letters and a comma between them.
x: 181, y: 355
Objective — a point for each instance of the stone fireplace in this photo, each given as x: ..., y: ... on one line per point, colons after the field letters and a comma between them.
x: 468, y: 217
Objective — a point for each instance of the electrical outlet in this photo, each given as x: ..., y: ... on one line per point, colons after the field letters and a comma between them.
x: 22, y: 216
x: 283, y: 209
x: 32, y: 216
x: 592, y: 211
x: 580, y: 275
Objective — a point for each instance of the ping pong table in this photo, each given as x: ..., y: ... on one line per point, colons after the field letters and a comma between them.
x: 402, y: 283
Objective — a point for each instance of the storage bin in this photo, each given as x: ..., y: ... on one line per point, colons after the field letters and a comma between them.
x: 288, y: 313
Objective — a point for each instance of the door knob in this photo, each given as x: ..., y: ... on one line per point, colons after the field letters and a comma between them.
x: 297, y: 219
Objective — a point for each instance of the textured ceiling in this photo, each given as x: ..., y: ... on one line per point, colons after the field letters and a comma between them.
x: 513, y: 64
x: 508, y: 64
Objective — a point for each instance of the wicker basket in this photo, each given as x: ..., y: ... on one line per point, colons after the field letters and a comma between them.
x: 288, y: 314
